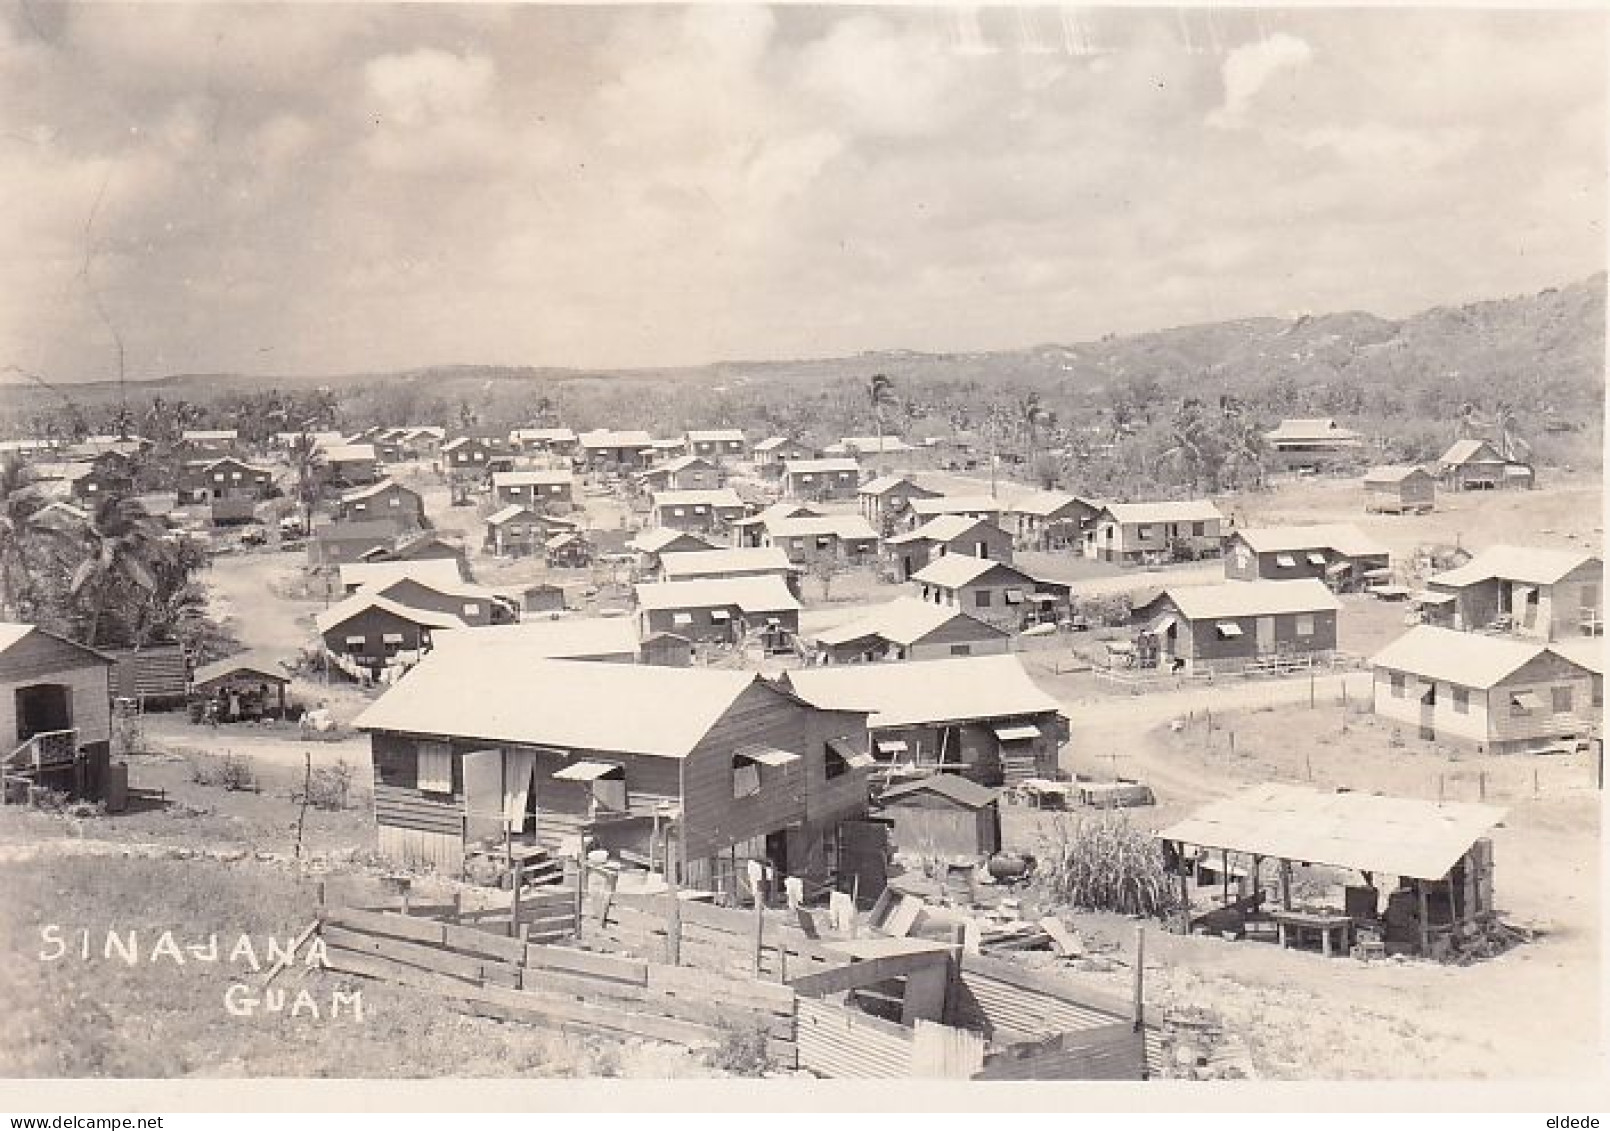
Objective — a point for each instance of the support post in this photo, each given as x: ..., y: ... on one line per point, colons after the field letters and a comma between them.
x: 516, y: 886
x: 1425, y: 917
x: 1140, y: 977
x: 581, y: 890
x: 760, y: 928
x: 1285, y: 885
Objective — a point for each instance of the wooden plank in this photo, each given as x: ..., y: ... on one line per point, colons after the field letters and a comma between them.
x: 501, y: 974
x: 414, y: 954
x: 472, y: 940
x: 630, y: 1021
x: 389, y: 924
x: 854, y: 975
x: 587, y: 962
x: 682, y: 979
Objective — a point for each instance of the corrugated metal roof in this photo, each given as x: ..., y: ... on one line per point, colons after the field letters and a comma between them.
x: 374, y: 489
x: 248, y: 662
x: 541, y: 477
x: 955, y: 504
x: 349, y: 453
x: 1529, y: 564
x: 945, y: 528
x: 768, y: 594
x: 1191, y: 510
x: 846, y: 526
x: 1344, y: 538
x: 565, y: 638
x: 820, y: 466
x: 439, y: 571
x: 343, y: 611
x: 904, y: 621
x: 1392, y: 835
x: 715, y: 436
x: 1468, y: 659
x: 719, y: 497
x: 919, y: 691
x: 962, y: 791
x: 654, y: 540
x: 1252, y: 598
x: 955, y: 570
x: 708, y: 563
x: 609, y: 438
x: 625, y: 708
x: 1392, y: 474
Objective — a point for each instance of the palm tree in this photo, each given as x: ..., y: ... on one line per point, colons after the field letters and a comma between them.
x: 18, y: 502
x: 123, y: 552
x: 880, y: 394
x: 306, y: 461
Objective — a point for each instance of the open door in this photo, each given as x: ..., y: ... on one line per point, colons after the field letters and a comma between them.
x: 863, y: 859
x: 484, y: 811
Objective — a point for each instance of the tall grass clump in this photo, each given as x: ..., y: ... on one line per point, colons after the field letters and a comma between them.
x: 1101, y: 862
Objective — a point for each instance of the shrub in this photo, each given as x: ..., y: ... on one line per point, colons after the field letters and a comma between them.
x: 231, y: 772
x: 328, y: 787
x: 1105, y: 608
x: 1102, y: 862
x: 742, y: 1051
x: 128, y: 734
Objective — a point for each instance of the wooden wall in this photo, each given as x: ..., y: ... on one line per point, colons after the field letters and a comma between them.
x: 712, y: 818
x: 38, y: 658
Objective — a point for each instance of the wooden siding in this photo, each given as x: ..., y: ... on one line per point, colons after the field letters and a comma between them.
x: 713, y: 819
x: 392, y: 502
x: 1199, y: 641
x: 415, y: 595
x: 1131, y: 541
x: 373, y: 624
x: 40, y: 659
x: 707, y: 628
x: 1488, y: 719
x: 951, y: 830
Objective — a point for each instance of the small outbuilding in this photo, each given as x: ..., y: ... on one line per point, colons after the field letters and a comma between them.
x: 944, y: 815
x: 1399, y: 490
x: 244, y: 687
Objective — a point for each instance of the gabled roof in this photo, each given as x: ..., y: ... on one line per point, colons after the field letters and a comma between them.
x: 654, y: 540
x: 482, y: 693
x: 383, y: 531
x: 254, y: 662
x: 560, y: 638
x: 1471, y: 451
x: 820, y: 466
x: 945, y: 528
x: 765, y: 594
x: 205, y: 434
x: 850, y: 527
x: 869, y: 445
x: 428, y: 571
x: 1311, y: 428
x: 771, y: 442
x: 1529, y: 565
x: 359, y: 494
x: 509, y: 513
x: 349, y: 453
x: 904, y: 621
x: 611, y: 438
x: 549, y: 435
x: 13, y: 633
x: 715, y: 436
x: 955, y: 504
x: 1468, y: 659
x: 952, y: 571
x: 1044, y: 503
x: 709, y: 563
x: 924, y: 691
x: 883, y: 484
x: 1344, y: 538
x: 1394, y: 473
x: 1251, y: 598
x: 963, y: 791
x: 778, y: 511
x: 1359, y: 831
x: 456, y: 587
x: 1191, y: 510
x: 1583, y: 651
x: 712, y: 497
x: 680, y: 463
x: 363, y: 600
x: 458, y: 442
x: 545, y: 477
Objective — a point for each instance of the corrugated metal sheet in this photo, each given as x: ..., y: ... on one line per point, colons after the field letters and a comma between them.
x: 840, y: 1043
x: 154, y: 673
x: 1114, y: 1052
x: 1020, y: 1011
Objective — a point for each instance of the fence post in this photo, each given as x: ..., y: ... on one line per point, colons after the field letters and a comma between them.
x: 673, y: 929
x: 1140, y: 977
x: 517, y: 885
x: 581, y: 891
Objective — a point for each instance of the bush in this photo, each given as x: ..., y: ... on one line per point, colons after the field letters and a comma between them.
x: 128, y: 735
x: 232, y: 772
x: 1102, y: 862
x: 742, y: 1052
x: 328, y: 787
x: 1107, y: 609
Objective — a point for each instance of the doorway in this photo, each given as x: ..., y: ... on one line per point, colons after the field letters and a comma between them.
x: 43, y: 707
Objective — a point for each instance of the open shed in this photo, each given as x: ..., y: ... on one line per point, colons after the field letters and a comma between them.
x: 1438, y: 852
x: 244, y: 687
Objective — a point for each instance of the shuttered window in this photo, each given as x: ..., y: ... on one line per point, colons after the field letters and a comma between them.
x: 435, y: 767
x: 1561, y: 700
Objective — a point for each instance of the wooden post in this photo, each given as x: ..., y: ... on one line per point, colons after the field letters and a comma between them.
x: 1185, y: 888
x: 1140, y: 977
x: 673, y: 929
x: 1285, y: 885
x: 318, y: 895
x: 1224, y: 873
x: 581, y: 889
x: 516, y: 886
x: 760, y: 928
x: 1425, y: 917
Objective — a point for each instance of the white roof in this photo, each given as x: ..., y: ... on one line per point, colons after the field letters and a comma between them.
x: 549, y: 434
x: 539, y: 478
x: 715, y: 436
x: 1583, y: 651
x: 680, y: 463
x: 713, y: 497
x: 945, y: 528
x: 458, y: 442
x: 610, y: 438
x: 870, y: 444
x: 771, y: 442
x: 1341, y: 537
x: 209, y: 434
x: 438, y: 571
x: 921, y: 691
x: 1468, y: 659
x: 1047, y: 502
x: 820, y: 466
x: 952, y: 571
x: 654, y: 540
x: 956, y: 504
x: 558, y: 638
x: 349, y: 453
x: 479, y: 693
x: 1528, y: 564
x: 904, y: 620
x: 1252, y: 598
x: 765, y: 594
x: 1395, y: 836
x: 1394, y: 473
x: 885, y: 483
x: 1467, y: 451
x: 374, y: 489
x: 714, y: 563
x: 512, y: 511
x: 1313, y: 428
x: 850, y: 527
x: 343, y: 611
x: 1191, y: 510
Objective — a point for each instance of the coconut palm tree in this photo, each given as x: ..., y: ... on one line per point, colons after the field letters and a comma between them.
x: 880, y: 394
x: 18, y: 502
x: 121, y: 554
x: 307, y: 462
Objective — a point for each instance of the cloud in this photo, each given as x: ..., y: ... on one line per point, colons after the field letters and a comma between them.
x: 1249, y: 68
x: 428, y: 85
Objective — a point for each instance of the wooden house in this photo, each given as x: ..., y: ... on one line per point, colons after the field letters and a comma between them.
x: 819, y: 480
x: 708, y: 770
x: 717, y: 444
x: 227, y: 479
x: 1399, y: 490
x: 475, y: 605
x: 942, y: 815
x: 1051, y: 520
x: 844, y: 538
x: 466, y: 457
x: 208, y: 443
x: 244, y: 688
x: 887, y: 499
x: 386, y: 501
x: 653, y: 544
x: 697, y: 565
x: 372, y: 632
x: 422, y: 546
x: 553, y: 441
x: 1499, y: 694
x: 422, y: 442
x: 911, y: 629
x: 336, y: 544
x: 771, y: 453
x: 994, y: 592
x: 1524, y: 590
x: 570, y: 549
x: 664, y: 450
x: 981, y: 717
x: 723, y: 611
x: 911, y: 552
x: 92, y: 481
x: 684, y: 473
x: 605, y: 640
x: 1154, y: 533
x: 1236, y: 625
x: 612, y: 449
x: 1312, y: 445
x: 55, y: 713
x: 667, y: 650
x: 869, y: 448
x: 538, y: 490
x: 1475, y: 465
x: 1340, y: 555
x: 351, y: 465
x: 921, y: 510
x: 702, y: 511
x: 375, y: 575
x: 751, y: 530
x: 518, y: 531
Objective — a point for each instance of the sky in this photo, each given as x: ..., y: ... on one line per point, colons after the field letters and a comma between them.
x: 326, y: 189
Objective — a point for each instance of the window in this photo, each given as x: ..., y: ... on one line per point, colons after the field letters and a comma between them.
x: 1522, y: 702
x: 555, y: 489
x: 396, y: 501
x: 478, y: 456
x: 1398, y: 685
x: 1561, y: 700
x: 1461, y: 700
x: 1142, y: 532
x: 745, y: 778
x: 982, y: 598
x: 435, y: 767
x: 1305, y: 624
x: 355, y: 641
x: 823, y: 541
x: 472, y: 609
x: 1014, y: 596
x: 678, y: 512
x: 392, y: 638
x: 1199, y: 529
x: 235, y: 476
x: 1428, y: 694
x: 217, y: 477
x: 961, y: 649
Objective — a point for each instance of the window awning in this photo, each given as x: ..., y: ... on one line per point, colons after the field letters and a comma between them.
x: 1285, y: 561
x: 1043, y: 599
x: 765, y: 755
x: 1523, y: 701
x: 1380, y: 571
x: 1427, y: 597
x: 720, y: 614
x: 585, y: 771
x: 892, y: 746
x: 851, y: 756
x: 682, y: 618
x: 1017, y: 734
x: 1317, y: 558
x: 1014, y: 596
x: 1165, y: 623
x: 1336, y: 567
x: 1228, y: 629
